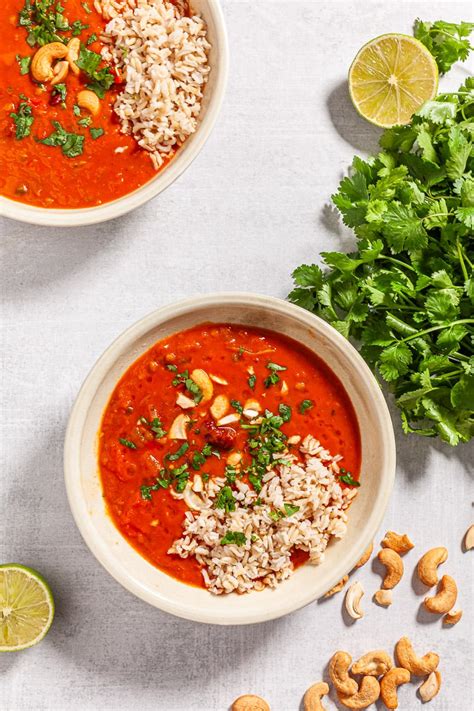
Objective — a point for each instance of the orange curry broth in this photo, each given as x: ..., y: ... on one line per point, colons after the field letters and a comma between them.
x: 41, y: 175
x: 146, y: 390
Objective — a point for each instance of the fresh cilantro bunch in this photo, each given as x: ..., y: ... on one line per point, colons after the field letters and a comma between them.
x: 447, y: 42
x: 407, y: 293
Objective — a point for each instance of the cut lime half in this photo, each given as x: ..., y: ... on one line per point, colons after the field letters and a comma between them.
x: 391, y: 78
x: 26, y: 607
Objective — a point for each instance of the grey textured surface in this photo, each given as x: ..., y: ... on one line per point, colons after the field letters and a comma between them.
x: 251, y: 207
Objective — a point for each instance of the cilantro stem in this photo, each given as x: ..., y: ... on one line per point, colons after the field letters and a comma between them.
x: 461, y: 260
x: 436, y: 328
x: 397, y: 261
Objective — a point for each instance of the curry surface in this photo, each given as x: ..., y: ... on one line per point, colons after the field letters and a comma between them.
x: 146, y: 390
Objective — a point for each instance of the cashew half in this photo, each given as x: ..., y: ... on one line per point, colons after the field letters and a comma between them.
x: 452, y: 617
x: 312, y: 698
x: 394, y: 565
x: 179, y: 427
x: 339, y: 674
x: 204, y: 382
x: 428, y: 564
x: 89, y: 101
x: 220, y: 407
x: 445, y: 598
x: 373, y: 663
x: 430, y: 687
x: 389, y: 684
x: 352, y: 601
x: 73, y: 49
x: 419, y: 666
x: 397, y: 542
x: 368, y: 693
x: 249, y: 702
x: 337, y: 587
x: 60, y: 71
x: 42, y: 62
x: 184, y: 402
x: 365, y: 556
x: 469, y: 539
x: 383, y: 598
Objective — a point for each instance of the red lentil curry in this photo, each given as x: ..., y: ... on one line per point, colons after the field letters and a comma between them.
x: 177, y: 411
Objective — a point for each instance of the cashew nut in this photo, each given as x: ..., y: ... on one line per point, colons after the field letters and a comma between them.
x: 389, y: 684
x: 469, y: 539
x: 234, y: 459
x: 42, y: 62
x: 430, y: 686
x: 89, y: 101
x: 312, y: 698
x: 428, y: 564
x: 445, y: 598
x: 249, y: 702
x: 365, y: 556
x: 373, y: 663
x: 228, y: 419
x: 339, y: 674
x: 284, y: 390
x: 352, y: 601
x: 383, y: 597
x: 220, y: 407
x: 73, y: 49
x: 368, y: 693
x: 337, y: 587
x: 60, y: 72
x: 184, y: 402
x: 204, y: 382
x: 419, y: 666
x: 252, y: 404
x: 452, y: 617
x: 217, y: 379
x: 394, y: 565
x: 397, y: 542
x: 178, y: 429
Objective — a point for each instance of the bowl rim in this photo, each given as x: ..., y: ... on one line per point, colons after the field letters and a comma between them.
x: 188, y: 152
x: 87, y: 392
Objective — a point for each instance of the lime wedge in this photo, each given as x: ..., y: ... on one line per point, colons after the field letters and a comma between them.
x: 391, y: 78
x: 26, y: 607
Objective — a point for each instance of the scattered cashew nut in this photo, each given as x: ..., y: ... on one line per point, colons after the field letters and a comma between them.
x: 452, y: 617
x: 394, y: 565
x: 389, y: 684
x: 42, y: 62
x: 220, y: 407
x: 184, y: 402
x: 178, y: 429
x: 73, y: 49
x: 383, y: 597
x: 397, y: 542
x: 352, y: 601
x: 430, y: 687
x: 204, y: 382
x: 428, y: 564
x: 234, y: 459
x: 339, y: 674
x: 89, y: 101
x: 312, y: 698
x: 60, y: 71
x: 469, y: 539
x: 368, y: 693
x: 418, y: 666
x: 249, y: 702
x: 217, y: 379
x: 337, y: 587
x: 445, y: 598
x: 365, y: 556
x: 373, y: 663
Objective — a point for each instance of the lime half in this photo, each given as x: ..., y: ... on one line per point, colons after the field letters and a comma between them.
x: 391, y: 78
x: 26, y: 607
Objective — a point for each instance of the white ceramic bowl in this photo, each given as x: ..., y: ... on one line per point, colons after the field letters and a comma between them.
x: 219, y: 60
x: 308, y: 582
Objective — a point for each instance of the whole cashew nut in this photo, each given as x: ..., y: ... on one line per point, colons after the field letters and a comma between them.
x: 430, y: 686
x: 452, y: 617
x: 469, y: 539
x: 383, y: 597
x: 365, y: 556
x: 88, y: 100
x: 418, y: 666
x: 312, y: 698
x: 249, y: 702
x: 373, y: 663
x: 394, y: 565
x: 428, y: 564
x: 445, y: 598
x: 339, y: 674
x: 203, y: 381
x: 352, y: 601
x: 338, y: 587
x: 73, y: 49
x: 368, y: 693
x: 397, y: 542
x: 42, y: 62
x: 389, y: 684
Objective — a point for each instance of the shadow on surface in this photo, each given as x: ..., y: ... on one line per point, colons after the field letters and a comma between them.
x: 359, y: 133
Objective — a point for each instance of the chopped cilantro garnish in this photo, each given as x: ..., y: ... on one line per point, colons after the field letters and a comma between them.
x: 24, y: 64
x: 199, y: 458
x: 237, y: 406
x: 180, y: 477
x: 127, y: 443
x: 347, y: 478
x: 288, y: 510
x: 96, y: 133
x: 192, y: 387
x: 273, y: 378
x: 155, y: 425
x: 100, y: 80
x: 285, y: 412
x: 231, y: 474
x: 77, y: 110
x: 179, y: 452
x: 172, y: 367
x: 86, y: 121
x: 71, y: 144
x: 77, y: 27
x: 225, y: 499
x: 91, y: 39
x: 265, y: 439
x: 60, y: 90
x: 44, y: 20
x: 235, y: 537
x: 305, y: 405
x: 251, y: 381
x: 86, y: 7
x: 23, y: 119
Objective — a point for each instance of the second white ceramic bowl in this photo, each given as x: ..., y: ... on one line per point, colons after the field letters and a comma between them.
x: 308, y: 583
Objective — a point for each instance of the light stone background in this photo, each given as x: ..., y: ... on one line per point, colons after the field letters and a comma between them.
x: 251, y: 207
